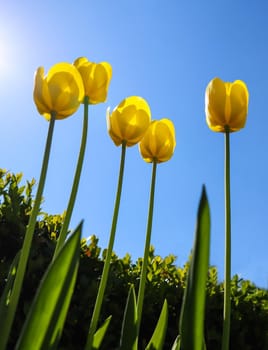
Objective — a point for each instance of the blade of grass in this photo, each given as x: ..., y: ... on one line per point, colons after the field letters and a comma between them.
x: 193, y: 308
x: 43, y: 326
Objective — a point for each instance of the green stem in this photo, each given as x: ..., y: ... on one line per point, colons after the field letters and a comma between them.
x: 104, y: 277
x: 146, y: 248
x: 15, y: 294
x: 227, y: 272
x: 69, y: 211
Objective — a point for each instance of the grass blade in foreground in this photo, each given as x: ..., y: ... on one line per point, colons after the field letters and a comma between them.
x: 193, y: 308
x: 158, y: 338
x: 46, y: 317
x: 129, y: 334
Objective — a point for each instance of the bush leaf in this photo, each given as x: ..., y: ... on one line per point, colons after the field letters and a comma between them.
x: 158, y: 337
x: 43, y: 326
x: 193, y: 308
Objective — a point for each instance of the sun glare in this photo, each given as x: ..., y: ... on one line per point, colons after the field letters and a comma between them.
x: 4, y: 57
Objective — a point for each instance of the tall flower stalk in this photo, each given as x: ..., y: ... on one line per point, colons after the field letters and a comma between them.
x: 57, y: 96
x: 69, y: 211
x: 146, y: 247
x: 106, y: 268
x: 227, y: 259
x: 7, y: 321
x: 126, y: 126
x: 96, y: 79
x: 226, y: 107
x: 156, y: 146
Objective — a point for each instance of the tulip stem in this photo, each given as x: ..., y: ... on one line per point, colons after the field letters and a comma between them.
x: 146, y: 248
x: 227, y: 272
x: 105, y: 273
x: 7, y: 321
x: 69, y: 211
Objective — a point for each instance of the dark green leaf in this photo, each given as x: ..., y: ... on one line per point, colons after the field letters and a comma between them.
x: 158, y: 337
x: 42, y: 329
x: 99, y: 335
x: 193, y: 309
x: 129, y: 336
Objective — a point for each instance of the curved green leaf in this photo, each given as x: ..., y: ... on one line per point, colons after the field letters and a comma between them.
x: 129, y: 334
x: 158, y: 337
x: 193, y: 308
x: 43, y: 327
x: 99, y: 335
x: 5, y: 297
x: 177, y: 343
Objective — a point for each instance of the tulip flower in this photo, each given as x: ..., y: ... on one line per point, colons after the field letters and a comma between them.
x: 96, y: 78
x: 159, y: 141
x: 129, y: 121
x: 60, y: 92
x: 226, y: 105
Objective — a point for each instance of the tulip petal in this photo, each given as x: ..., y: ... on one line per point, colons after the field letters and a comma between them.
x: 215, y: 104
x: 239, y: 103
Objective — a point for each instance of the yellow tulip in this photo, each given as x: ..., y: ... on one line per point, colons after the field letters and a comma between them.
x: 226, y: 105
x: 129, y: 120
x: 159, y: 141
x: 59, y: 92
x: 96, y: 78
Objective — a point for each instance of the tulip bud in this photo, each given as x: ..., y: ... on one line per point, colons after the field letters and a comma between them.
x: 158, y: 143
x: 129, y: 121
x: 226, y: 105
x: 60, y: 92
x: 96, y: 78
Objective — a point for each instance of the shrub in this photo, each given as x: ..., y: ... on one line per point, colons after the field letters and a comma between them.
x: 249, y: 323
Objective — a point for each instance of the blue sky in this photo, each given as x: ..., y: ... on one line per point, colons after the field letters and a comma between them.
x: 166, y: 52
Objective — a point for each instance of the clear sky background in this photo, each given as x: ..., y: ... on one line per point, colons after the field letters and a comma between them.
x: 166, y: 52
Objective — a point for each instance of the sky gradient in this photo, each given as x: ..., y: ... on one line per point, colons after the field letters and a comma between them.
x: 166, y: 52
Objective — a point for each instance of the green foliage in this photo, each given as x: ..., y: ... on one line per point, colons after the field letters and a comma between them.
x: 249, y: 317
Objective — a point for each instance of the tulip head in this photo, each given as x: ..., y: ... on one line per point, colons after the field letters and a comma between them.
x: 226, y: 105
x: 159, y: 141
x: 96, y: 78
x: 59, y: 92
x: 129, y: 120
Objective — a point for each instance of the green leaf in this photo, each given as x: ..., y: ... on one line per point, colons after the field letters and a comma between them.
x: 177, y: 343
x: 158, y: 337
x: 193, y: 308
x: 99, y: 335
x: 129, y: 333
x: 43, y: 326
x: 5, y: 298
